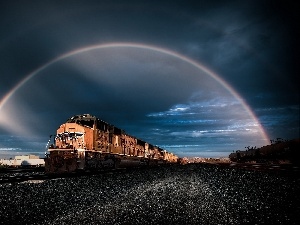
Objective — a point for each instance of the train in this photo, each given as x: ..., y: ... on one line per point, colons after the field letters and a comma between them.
x: 87, y: 143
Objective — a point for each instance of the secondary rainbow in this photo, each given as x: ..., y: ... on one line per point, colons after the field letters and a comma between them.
x: 150, y: 48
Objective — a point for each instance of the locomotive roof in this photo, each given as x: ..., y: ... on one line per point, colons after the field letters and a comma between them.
x: 86, y: 117
x: 80, y: 117
x: 89, y: 120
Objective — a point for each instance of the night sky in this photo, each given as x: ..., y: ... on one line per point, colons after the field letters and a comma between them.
x: 198, y: 78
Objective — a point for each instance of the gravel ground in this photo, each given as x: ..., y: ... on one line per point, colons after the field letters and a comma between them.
x: 190, y: 194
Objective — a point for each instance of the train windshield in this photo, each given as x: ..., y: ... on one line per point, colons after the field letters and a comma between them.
x: 69, y: 135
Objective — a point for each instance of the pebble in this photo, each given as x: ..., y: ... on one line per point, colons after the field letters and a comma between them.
x: 189, y: 194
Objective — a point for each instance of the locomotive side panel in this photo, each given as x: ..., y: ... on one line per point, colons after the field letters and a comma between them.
x: 115, y: 140
x: 129, y: 144
x: 140, y: 148
x: 116, y: 145
x: 101, y: 141
x: 88, y: 138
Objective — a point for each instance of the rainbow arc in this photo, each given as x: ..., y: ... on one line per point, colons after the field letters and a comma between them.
x: 192, y: 62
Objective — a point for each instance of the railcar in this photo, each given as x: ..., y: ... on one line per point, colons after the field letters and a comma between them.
x: 85, y: 142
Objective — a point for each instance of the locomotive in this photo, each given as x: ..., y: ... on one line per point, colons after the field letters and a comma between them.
x: 87, y: 143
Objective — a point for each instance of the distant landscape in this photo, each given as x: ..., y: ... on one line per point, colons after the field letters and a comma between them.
x: 280, y: 151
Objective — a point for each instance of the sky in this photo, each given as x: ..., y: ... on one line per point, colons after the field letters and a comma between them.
x: 198, y: 78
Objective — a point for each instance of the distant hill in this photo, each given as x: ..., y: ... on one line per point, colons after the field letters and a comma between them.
x: 280, y: 151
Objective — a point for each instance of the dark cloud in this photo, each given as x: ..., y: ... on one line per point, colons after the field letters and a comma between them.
x: 252, y: 45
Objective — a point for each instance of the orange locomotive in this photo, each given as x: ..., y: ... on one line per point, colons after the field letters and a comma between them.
x: 85, y: 142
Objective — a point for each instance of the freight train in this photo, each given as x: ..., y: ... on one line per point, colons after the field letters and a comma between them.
x: 87, y: 143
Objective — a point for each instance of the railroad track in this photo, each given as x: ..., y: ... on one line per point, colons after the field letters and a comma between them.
x: 269, y: 168
x: 21, y: 177
x: 25, y: 175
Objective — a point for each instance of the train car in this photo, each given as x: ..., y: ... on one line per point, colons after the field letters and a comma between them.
x: 84, y: 142
x: 22, y: 163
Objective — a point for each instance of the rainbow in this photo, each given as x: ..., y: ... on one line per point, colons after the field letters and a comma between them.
x: 146, y: 47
